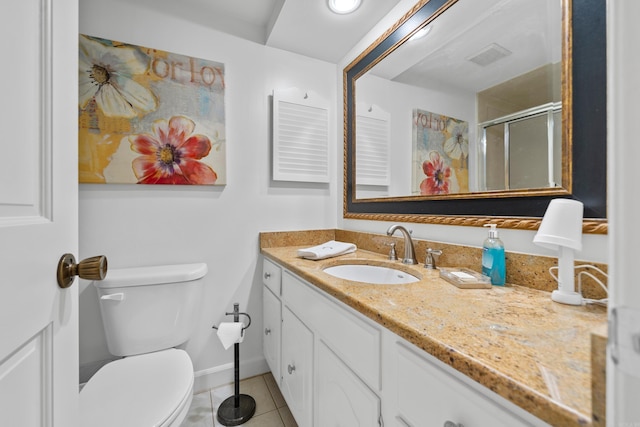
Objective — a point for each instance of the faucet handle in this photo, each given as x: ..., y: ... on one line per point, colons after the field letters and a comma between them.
x: 392, y: 252
x: 430, y: 259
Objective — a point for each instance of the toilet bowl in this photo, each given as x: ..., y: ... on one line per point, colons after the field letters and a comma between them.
x: 152, y: 389
x: 146, y: 312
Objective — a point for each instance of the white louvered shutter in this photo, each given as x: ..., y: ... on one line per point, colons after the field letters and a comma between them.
x: 372, y: 146
x: 300, y: 136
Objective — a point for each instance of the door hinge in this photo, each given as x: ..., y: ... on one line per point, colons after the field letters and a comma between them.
x: 624, y: 339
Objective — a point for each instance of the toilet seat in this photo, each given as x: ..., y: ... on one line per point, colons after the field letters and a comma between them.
x: 147, y: 390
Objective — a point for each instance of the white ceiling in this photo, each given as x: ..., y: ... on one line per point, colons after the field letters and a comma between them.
x: 531, y: 31
x: 309, y: 28
x: 306, y: 27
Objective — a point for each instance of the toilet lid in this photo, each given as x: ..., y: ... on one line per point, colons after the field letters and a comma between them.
x: 138, y: 391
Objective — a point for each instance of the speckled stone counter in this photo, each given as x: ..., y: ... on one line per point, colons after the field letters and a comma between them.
x: 513, y: 340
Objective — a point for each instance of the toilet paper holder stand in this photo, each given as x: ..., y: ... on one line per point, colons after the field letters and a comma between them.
x: 239, y: 408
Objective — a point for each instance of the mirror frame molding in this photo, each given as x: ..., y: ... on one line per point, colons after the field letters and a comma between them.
x: 584, y: 133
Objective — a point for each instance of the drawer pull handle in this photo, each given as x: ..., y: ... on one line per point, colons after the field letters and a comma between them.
x: 291, y: 368
x: 452, y: 424
x: 267, y: 331
x: 267, y: 275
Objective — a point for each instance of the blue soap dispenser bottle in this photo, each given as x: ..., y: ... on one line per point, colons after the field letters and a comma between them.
x: 493, y: 262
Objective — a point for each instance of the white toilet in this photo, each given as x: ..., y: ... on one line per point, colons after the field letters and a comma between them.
x: 146, y: 312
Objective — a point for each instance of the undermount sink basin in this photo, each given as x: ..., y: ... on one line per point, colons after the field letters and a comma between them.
x: 371, y: 274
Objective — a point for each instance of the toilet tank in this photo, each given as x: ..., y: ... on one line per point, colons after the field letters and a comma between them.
x: 147, y: 309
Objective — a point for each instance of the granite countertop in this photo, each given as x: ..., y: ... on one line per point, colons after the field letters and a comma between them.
x: 513, y: 340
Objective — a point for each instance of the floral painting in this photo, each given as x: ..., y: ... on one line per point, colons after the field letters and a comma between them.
x: 440, y: 154
x: 149, y: 117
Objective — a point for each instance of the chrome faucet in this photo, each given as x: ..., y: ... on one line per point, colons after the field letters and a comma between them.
x: 409, y: 251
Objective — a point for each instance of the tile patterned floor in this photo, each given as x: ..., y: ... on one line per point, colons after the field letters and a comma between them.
x: 271, y: 409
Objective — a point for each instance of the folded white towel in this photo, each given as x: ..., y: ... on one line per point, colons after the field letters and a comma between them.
x: 327, y: 250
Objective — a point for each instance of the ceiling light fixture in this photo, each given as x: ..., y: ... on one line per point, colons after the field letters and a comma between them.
x: 343, y: 7
x: 420, y: 33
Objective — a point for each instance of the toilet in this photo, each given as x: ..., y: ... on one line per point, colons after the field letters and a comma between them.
x: 146, y: 312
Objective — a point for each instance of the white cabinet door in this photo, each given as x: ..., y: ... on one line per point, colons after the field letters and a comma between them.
x: 429, y: 396
x: 343, y: 399
x: 271, y: 337
x: 38, y: 213
x: 297, y: 367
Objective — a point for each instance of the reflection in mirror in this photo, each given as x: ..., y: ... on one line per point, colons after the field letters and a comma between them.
x: 522, y: 150
x: 428, y: 120
x: 474, y: 105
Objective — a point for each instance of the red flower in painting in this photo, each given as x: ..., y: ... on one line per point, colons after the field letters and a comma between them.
x: 437, y: 181
x: 170, y: 156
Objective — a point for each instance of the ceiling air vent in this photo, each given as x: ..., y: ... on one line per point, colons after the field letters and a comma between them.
x: 489, y: 55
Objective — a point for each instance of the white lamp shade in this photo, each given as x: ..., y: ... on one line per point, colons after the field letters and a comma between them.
x: 561, y: 225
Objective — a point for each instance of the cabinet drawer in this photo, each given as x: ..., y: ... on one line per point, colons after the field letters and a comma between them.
x: 271, y: 275
x: 353, y: 339
x: 429, y: 396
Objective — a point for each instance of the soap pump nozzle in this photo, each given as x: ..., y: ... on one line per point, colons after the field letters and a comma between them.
x: 493, y: 232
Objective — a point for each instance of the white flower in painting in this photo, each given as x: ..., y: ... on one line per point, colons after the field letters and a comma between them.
x: 105, y: 74
x: 457, y: 145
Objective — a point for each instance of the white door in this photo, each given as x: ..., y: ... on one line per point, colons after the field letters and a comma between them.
x: 38, y: 212
x: 623, y: 75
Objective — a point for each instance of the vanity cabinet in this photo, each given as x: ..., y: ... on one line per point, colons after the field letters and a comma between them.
x: 326, y: 360
x: 338, y: 367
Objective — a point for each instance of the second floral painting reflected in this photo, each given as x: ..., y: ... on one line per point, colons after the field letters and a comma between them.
x: 149, y: 117
x: 440, y: 154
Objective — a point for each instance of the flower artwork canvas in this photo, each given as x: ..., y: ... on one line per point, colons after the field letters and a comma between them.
x: 440, y: 154
x: 149, y: 117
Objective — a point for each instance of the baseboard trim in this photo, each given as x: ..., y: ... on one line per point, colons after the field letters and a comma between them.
x: 224, y: 374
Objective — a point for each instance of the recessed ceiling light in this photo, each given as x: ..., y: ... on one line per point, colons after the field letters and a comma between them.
x: 421, y: 33
x: 343, y: 6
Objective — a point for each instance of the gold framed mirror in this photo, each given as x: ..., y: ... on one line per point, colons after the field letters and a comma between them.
x: 410, y: 84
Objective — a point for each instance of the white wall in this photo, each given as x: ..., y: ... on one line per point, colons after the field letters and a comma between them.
x: 148, y: 225
x: 595, y: 247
